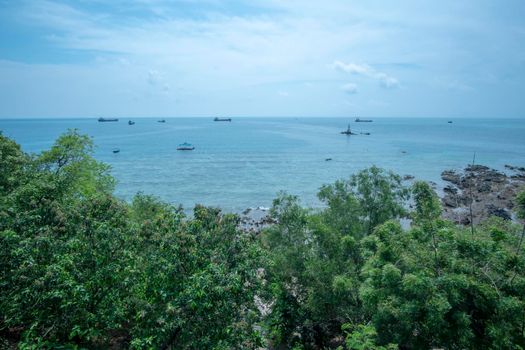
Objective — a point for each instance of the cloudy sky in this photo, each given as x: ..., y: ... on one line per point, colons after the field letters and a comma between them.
x: 413, y: 58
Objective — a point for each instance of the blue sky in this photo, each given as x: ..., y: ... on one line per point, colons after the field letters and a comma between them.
x: 413, y: 58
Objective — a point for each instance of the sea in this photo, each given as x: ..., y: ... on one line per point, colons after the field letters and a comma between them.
x: 245, y: 163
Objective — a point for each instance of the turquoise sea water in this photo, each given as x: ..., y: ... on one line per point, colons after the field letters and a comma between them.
x: 246, y: 162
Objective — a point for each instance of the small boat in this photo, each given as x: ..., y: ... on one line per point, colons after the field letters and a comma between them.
x: 222, y: 119
x: 131, y: 122
x: 348, y: 131
x: 116, y: 150
x: 365, y: 133
x: 328, y: 159
x: 359, y: 120
x: 450, y: 122
x: 185, y: 147
x: 161, y: 121
x: 108, y: 119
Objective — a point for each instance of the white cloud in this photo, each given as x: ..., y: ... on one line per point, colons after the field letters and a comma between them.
x: 384, y: 79
x: 353, y: 68
x: 349, y: 88
x: 235, y: 57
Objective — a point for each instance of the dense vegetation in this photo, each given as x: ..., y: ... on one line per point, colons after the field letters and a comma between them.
x: 80, y: 268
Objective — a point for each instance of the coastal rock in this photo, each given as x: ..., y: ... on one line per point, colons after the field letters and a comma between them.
x: 451, y: 176
x: 515, y: 168
x: 408, y: 177
x: 488, y: 191
x: 450, y: 201
x: 477, y: 168
x: 464, y: 220
x: 450, y: 189
x: 484, y: 187
x: 254, y: 220
x: 492, y: 210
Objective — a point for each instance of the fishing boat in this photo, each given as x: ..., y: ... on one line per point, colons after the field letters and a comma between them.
x: 116, y: 150
x: 450, y: 121
x: 185, y: 147
x: 359, y: 120
x: 348, y: 131
x: 222, y: 119
x: 365, y: 133
x: 161, y: 121
x: 131, y: 122
x: 108, y: 119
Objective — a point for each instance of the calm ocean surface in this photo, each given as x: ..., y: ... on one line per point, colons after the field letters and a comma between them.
x: 246, y: 162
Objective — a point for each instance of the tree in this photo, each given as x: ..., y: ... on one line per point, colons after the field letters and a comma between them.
x: 81, y: 268
x: 458, y: 297
x: 71, y: 162
x: 12, y: 165
x: 380, y: 194
x: 316, y: 256
x: 520, y: 212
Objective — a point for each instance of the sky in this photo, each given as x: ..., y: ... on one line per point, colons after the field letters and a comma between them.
x: 369, y: 58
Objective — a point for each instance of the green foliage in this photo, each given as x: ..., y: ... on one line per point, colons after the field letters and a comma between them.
x: 520, y: 205
x: 343, y: 209
x: 81, y: 269
x: 427, y: 203
x: 432, y: 286
x: 316, y: 257
x: 447, y: 289
x: 12, y: 164
x: 380, y: 195
x: 364, y: 337
x: 71, y: 162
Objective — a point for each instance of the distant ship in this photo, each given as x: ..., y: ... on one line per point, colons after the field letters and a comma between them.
x: 131, y: 122
x: 108, y: 119
x: 359, y: 120
x: 185, y: 147
x: 348, y: 131
x: 116, y: 150
x: 222, y: 119
x: 161, y: 121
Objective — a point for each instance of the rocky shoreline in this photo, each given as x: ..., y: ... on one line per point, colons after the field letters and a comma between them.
x: 490, y: 191
x: 255, y: 219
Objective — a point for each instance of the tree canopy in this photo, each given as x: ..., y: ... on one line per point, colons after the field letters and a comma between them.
x: 80, y: 268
